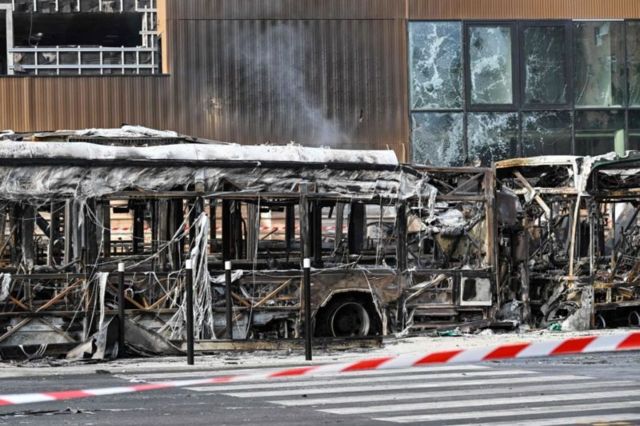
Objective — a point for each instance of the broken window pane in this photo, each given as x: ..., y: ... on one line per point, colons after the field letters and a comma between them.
x: 546, y: 133
x: 436, y: 64
x: 3, y: 42
x: 596, y: 130
x: 475, y: 291
x: 491, y: 65
x: 437, y: 138
x: 599, y: 67
x: 545, y: 77
x: 633, y: 51
x: 492, y: 136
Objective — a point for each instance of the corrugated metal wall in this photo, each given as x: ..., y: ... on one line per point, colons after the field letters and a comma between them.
x: 331, y: 72
x: 319, y: 73
x: 319, y: 82
x: 523, y: 9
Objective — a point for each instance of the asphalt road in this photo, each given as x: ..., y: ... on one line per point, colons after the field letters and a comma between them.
x: 594, y: 389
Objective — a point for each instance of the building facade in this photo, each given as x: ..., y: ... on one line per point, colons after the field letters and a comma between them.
x: 444, y: 82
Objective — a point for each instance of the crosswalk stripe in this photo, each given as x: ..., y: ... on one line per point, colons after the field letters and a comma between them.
x: 560, y: 421
x: 518, y: 412
x: 199, y: 374
x: 312, y: 390
x: 547, y: 387
x: 383, y: 379
x: 482, y: 402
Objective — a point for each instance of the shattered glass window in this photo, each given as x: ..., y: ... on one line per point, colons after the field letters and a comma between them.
x: 492, y: 136
x: 596, y: 131
x: 437, y: 138
x: 546, y: 133
x: 633, y: 52
x: 545, y: 80
x: 599, y: 64
x: 491, y: 65
x: 436, y: 64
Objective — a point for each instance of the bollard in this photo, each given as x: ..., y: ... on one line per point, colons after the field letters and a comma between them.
x: 307, y: 309
x: 227, y: 283
x: 189, y: 291
x: 120, y: 309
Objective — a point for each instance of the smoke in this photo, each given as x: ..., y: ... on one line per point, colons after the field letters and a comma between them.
x: 280, y: 61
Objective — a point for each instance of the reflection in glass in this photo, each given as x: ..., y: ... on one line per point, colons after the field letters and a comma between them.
x: 436, y: 64
x: 633, y: 52
x: 596, y: 130
x: 599, y: 66
x: 492, y: 136
x: 545, y: 80
x: 490, y: 65
x: 634, y: 130
x: 437, y: 138
x: 546, y: 133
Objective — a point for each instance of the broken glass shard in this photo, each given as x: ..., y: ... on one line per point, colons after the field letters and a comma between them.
x: 492, y: 136
x: 545, y: 78
x: 490, y: 65
x: 436, y: 65
x: 437, y: 138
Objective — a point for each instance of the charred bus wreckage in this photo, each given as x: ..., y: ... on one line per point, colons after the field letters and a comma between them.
x: 393, y: 247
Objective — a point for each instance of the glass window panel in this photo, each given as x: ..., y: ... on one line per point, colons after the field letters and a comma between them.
x: 599, y: 67
x: 633, y: 52
x: 634, y: 129
x: 437, y: 138
x: 545, y: 80
x: 436, y: 64
x: 490, y: 65
x: 546, y: 133
x: 492, y: 136
x: 596, y: 130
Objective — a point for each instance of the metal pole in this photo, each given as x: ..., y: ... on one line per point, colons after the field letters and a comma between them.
x: 227, y: 283
x: 307, y: 309
x: 189, y: 288
x: 120, y: 309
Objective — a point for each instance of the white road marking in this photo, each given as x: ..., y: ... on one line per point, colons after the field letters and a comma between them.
x: 516, y: 412
x: 316, y: 382
x: 561, y: 421
x: 535, y: 399
x: 547, y: 387
x: 200, y: 374
x: 400, y: 386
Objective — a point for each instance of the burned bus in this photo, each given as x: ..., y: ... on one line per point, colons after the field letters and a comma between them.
x: 393, y: 247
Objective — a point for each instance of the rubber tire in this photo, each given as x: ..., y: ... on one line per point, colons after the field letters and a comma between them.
x: 324, y: 315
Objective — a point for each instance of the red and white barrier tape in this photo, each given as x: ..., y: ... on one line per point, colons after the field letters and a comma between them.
x: 572, y: 346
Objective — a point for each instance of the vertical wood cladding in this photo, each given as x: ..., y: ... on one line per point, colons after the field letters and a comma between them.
x: 524, y: 9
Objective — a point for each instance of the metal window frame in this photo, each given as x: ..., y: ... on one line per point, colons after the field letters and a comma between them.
x: 8, y: 8
x: 518, y: 106
x: 515, y: 74
x: 567, y: 26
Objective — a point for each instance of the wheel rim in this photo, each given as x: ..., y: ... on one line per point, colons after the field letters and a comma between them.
x: 634, y: 319
x: 350, y: 319
x: 600, y: 322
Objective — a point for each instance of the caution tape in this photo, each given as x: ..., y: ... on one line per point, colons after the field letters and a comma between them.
x: 571, y: 346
